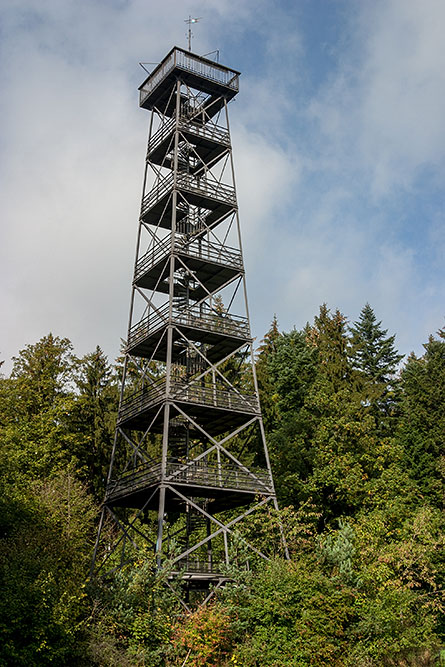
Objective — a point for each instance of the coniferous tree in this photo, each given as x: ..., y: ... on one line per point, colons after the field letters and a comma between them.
x: 373, y: 351
x: 374, y: 355
x: 422, y: 429
x: 94, y: 417
x: 342, y: 430
x: 291, y: 369
x: 266, y: 351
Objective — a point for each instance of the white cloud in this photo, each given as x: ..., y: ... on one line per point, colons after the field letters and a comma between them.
x: 383, y: 109
x: 73, y: 147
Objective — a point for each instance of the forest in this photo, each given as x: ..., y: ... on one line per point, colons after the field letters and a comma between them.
x: 356, y: 438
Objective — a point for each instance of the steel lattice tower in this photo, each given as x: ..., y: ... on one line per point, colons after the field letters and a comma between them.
x: 189, y: 463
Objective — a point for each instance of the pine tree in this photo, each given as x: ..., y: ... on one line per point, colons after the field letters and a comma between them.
x: 373, y: 352
x: 266, y: 351
x: 329, y: 336
x: 422, y: 430
x: 94, y: 415
x: 374, y: 356
x: 342, y: 432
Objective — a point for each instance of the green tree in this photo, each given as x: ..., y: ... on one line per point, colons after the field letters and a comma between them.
x: 329, y: 336
x: 93, y: 417
x: 291, y: 369
x: 422, y: 429
x: 373, y: 352
x: 327, y: 448
x: 46, y: 539
x: 43, y: 373
x: 374, y: 355
x: 36, y: 437
x: 266, y: 350
x: 45, y: 515
x: 331, y: 431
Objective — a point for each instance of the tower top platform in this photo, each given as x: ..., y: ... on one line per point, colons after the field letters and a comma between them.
x: 195, y: 71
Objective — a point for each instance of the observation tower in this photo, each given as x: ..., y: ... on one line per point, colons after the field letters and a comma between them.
x: 189, y: 466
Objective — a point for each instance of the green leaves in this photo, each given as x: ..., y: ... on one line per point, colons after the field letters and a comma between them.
x: 44, y: 552
x: 358, y: 460
x: 43, y: 372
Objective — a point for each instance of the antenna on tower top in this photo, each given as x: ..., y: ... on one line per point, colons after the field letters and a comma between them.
x: 191, y: 20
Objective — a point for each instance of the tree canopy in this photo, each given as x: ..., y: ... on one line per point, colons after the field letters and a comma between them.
x: 356, y: 441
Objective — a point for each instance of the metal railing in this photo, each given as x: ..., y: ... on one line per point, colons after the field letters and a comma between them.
x: 197, y: 566
x: 224, y: 324
x: 207, y: 69
x: 222, y: 475
x: 210, y: 131
x: 152, y: 257
x: 189, y: 63
x: 194, y: 317
x: 196, y: 473
x: 201, y: 186
x: 205, y: 250
x: 141, y: 400
x: 134, y: 480
x: 210, y: 397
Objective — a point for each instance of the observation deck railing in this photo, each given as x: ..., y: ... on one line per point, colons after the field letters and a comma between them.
x: 203, y: 187
x: 201, y: 249
x: 210, y: 131
x: 210, y: 397
x: 196, y: 473
x: 188, y: 62
x: 193, y: 317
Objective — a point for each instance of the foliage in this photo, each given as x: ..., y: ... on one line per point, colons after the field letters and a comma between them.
x: 134, y: 615
x: 205, y: 638
x: 358, y: 462
x: 44, y: 552
x: 372, y: 351
x: 374, y: 355
x: 422, y: 428
x: 94, y: 416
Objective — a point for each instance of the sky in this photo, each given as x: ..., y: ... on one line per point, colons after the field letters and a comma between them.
x: 338, y: 140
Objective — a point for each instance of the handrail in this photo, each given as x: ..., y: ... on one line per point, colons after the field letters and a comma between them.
x: 218, y: 474
x: 160, y: 134
x: 213, y: 71
x: 190, y: 63
x: 160, y: 73
x: 194, y: 184
x: 198, y: 566
x: 210, y: 131
x: 207, y: 250
x: 192, y: 316
x: 202, y: 186
x: 214, y: 475
x: 151, y: 257
x: 158, y: 190
x: 212, y: 397
x: 143, y: 399
x: 236, y: 325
